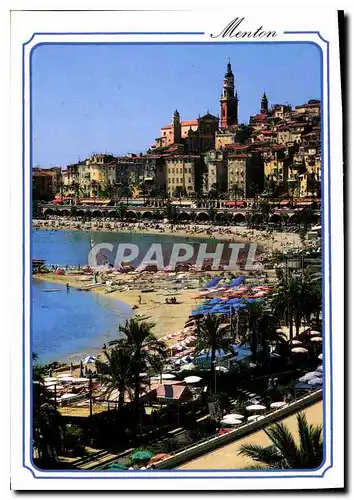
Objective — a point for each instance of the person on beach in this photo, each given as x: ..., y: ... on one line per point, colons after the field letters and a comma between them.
x: 139, y: 299
x: 67, y: 287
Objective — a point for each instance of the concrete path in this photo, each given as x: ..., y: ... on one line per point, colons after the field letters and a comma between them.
x: 227, y: 457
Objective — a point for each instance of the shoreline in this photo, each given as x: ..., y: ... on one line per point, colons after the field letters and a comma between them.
x: 168, y: 318
x: 268, y: 241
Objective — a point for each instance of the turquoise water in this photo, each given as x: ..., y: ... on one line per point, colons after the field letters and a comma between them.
x: 72, y: 325
x: 72, y: 247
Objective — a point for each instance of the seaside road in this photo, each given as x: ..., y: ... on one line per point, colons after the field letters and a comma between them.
x: 227, y: 457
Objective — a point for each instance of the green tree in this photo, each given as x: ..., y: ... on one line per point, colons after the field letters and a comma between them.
x: 126, y: 191
x: 117, y: 371
x: 296, y: 298
x: 236, y: 192
x: 179, y: 192
x: 146, y: 350
x: 171, y: 212
x: 211, y: 336
x: 249, y: 325
x: 47, y: 422
x: 284, y: 452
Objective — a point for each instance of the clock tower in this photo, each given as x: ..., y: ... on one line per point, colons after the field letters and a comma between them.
x: 229, y: 100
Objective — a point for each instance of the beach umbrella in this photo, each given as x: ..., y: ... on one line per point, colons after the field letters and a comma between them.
x: 68, y: 395
x: 307, y: 376
x: 221, y: 369
x: 80, y: 380
x: 168, y: 376
x: 253, y: 418
x: 299, y: 350
x: 315, y: 381
x: 189, y: 367
x: 193, y: 379
x: 316, y: 339
x: 256, y: 408
x: 140, y: 456
x: 231, y: 421
x: 237, y: 416
x: 115, y: 466
x: 278, y: 404
x: 320, y: 357
x: 89, y: 359
x: 158, y: 457
x: 67, y: 378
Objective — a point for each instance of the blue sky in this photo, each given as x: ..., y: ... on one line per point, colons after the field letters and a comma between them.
x: 115, y: 98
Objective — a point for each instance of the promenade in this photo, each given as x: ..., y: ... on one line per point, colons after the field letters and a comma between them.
x: 227, y: 457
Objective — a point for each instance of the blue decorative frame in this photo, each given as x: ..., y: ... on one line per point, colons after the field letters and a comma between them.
x: 28, y: 259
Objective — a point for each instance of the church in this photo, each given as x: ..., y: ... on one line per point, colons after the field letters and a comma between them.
x: 200, y: 135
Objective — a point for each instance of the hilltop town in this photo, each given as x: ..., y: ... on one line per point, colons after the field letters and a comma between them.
x: 277, y: 154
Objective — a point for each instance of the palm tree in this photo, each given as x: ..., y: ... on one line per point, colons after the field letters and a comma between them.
x: 179, y: 192
x: 284, y: 452
x: 211, y: 336
x: 269, y: 334
x: 249, y: 325
x: 75, y: 186
x: 287, y: 302
x: 236, y: 192
x: 47, y: 422
x: 95, y: 186
x: 146, y: 350
x: 126, y: 190
x: 295, y: 299
x: 116, y: 373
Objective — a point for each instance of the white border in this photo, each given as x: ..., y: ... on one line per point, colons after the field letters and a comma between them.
x: 23, y: 27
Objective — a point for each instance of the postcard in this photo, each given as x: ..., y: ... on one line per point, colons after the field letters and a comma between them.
x: 177, y: 189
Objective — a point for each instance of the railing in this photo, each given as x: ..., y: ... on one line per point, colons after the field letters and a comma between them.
x: 196, y: 450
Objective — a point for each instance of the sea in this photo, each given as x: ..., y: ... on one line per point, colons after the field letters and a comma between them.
x: 69, y: 325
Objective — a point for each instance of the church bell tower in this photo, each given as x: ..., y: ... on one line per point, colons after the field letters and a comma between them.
x: 177, y: 129
x: 229, y: 100
x: 264, y: 105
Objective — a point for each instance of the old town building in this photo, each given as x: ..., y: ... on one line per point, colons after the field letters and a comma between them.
x: 228, y: 100
x: 216, y: 171
x: 184, y: 174
x: 46, y: 183
x: 280, y: 146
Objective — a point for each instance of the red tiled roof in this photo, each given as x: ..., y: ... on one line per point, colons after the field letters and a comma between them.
x: 189, y: 122
x: 183, y: 124
x: 173, y: 392
x: 181, y: 156
x: 239, y: 155
x: 236, y: 146
x: 308, y: 105
x: 260, y: 117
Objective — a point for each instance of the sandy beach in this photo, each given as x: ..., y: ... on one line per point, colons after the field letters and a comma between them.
x: 168, y: 318
x: 269, y: 241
